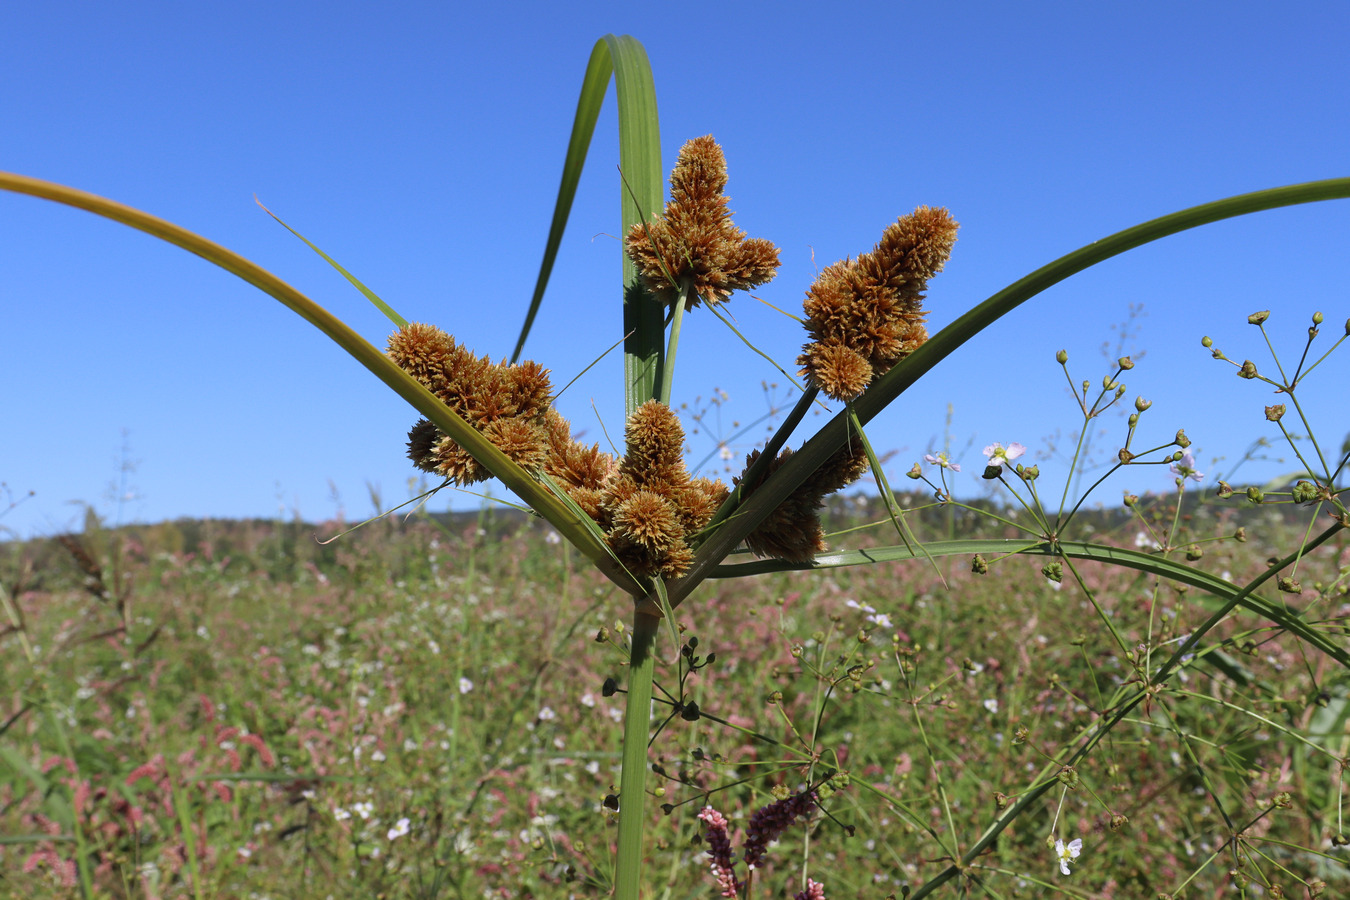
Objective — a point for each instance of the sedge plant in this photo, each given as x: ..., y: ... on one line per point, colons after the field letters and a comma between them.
x: 657, y: 531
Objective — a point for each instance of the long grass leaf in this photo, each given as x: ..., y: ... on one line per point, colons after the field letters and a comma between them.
x: 356, y: 282
x: 1119, y: 556
x: 513, y: 476
x: 642, y: 195
x: 832, y: 436
x: 642, y: 191
x: 593, y: 87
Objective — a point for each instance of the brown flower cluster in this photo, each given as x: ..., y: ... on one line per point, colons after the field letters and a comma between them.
x: 694, y: 240
x: 864, y: 315
x: 652, y: 507
x: 647, y: 504
x: 793, y: 530
x: 509, y: 404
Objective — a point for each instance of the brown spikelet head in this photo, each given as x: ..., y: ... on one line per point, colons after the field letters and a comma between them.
x: 793, y: 531
x: 576, y: 467
x: 522, y: 440
x: 694, y: 241
x: 422, y: 351
x: 648, y: 520
x: 508, y: 403
x: 655, y: 440
x: 872, y: 306
x: 650, y: 506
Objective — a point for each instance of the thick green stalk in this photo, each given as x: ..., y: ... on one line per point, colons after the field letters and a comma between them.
x: 636, y: 734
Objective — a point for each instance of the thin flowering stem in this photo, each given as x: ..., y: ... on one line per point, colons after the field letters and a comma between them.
x: 1033, y: 509
x: 954, y: 850
x: 1092, y: 598
x: 1063, y: 521
x: 665, y: 372
x: 1273, y: 355
x: 1307, y: 426
x: 1330, y: 350
x: 773, y: 362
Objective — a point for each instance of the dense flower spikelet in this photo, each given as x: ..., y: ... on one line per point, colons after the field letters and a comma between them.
x: 646, y: 504
x: 509, y: 404
x: 793, y: 530
x: 651, y: 506
x: 694, y: 240
x: 864, y: 315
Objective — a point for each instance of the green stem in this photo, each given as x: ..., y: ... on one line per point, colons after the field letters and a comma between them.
x: 666, y: 368
x: 636, y: 729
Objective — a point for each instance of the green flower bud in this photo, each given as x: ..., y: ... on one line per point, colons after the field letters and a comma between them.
x: 1317, y: 318
x: 1255, y: 494
x: 1108, y: 383
x: 1125, y: 363
x: 1206, y: 342
x: 1290, y: 585
x: 1305, y: 492
x: 1054, y: 571
x: 1131, y: 500
x: 978, y: 565
x: 1141, y: 404
x: 1241, y: 535
x: 1225, y: 490
x: 1247, y: 369
x: 1181, y: 440
x: 1031, y: 473
x: 1193, y: 552
x: 915, y: 473
x: 1257, y: 318
x: 1062, y: 356
x: 1133, y: 420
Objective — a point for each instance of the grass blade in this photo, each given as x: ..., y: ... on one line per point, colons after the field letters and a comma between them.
x: 642, y: 193
x: 356, y: 282
x: 513, y: 476
x: 832, y: 436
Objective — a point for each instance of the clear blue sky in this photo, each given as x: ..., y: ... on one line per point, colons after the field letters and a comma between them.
x: 420, y: 145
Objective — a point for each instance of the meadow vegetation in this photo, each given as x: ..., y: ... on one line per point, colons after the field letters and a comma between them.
x: 224, y: 709
x: 904, y: 697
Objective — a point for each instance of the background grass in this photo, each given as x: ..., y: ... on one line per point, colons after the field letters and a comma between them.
x: 273, y: 708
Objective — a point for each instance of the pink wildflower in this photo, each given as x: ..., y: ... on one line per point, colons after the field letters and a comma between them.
x: 719, y: 848
x: 814, y: 891
x: 769, y: 822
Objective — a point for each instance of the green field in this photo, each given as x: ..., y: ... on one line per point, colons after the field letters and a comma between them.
x: 231, y: 710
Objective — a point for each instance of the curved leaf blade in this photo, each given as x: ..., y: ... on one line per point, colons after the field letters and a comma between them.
x: 421, y: 399
x: 832, y: 436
